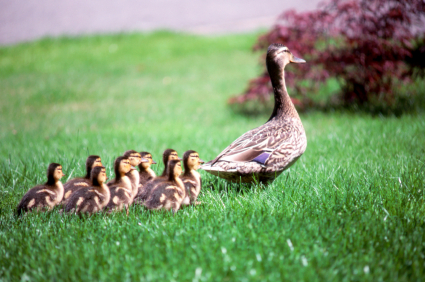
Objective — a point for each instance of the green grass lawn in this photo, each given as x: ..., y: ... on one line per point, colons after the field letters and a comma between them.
x: 351, y: 209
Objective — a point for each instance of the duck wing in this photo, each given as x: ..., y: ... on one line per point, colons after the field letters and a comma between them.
x: 260, y: 143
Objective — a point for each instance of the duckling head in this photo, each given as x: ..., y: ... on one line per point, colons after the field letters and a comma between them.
x: 278, y: 56
x: 91, y: 162
x: 147, y: 156
x: 174, y: 169
x: 121, y: 167
x: 98, y: 175
x: 134, y: 157
x: 54, y: 173
x: 168, y: 155
x: 191, y: 160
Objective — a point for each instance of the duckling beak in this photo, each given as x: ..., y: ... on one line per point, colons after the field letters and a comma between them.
x: 297, y: 60
x: 153, y: 162
x: 201, y: 161
x: 143, y: 160
x: 180, y: 159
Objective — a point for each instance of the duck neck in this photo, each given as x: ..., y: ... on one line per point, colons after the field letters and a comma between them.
x: 104, y: 189
x: 179, y: 183
x: 283, y: 106
x: 134, y: 177
x: 188, y: 172
x: 193, y: 173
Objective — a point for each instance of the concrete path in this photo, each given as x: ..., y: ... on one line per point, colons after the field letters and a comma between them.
x: 24, y: 20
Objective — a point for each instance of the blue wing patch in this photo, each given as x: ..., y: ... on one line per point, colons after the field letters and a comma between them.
x: 262, y: 158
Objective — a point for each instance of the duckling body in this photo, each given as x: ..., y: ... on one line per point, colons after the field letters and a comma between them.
x: 135, y: 159
x: 44, y: 196
x: 146, y: 174
x: 167, y: 194
x: 263, y: 153
x: 191, y: 178
x: 94, y: 198
x: 121, y: 188
x: 145, y: 190
x: 75, y: 184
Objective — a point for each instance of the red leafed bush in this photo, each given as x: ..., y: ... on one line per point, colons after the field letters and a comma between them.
x: 368, y: 46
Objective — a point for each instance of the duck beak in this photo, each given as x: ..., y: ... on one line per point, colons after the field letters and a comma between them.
x: 143, y: 160
x: 153, y: 162
x: 107, y: 178
x: 201, y: 161
x: 180, y: 159
x: 297, y: 60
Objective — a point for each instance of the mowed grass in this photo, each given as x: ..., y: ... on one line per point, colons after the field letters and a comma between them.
x: 351, y: 209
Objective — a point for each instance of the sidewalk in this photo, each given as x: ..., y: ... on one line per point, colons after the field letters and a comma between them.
x: 24, y: 20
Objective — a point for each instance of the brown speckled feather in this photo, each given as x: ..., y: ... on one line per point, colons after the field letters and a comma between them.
x: 166, y: 195
x: 39, y: 197
x: 74, y: 185
x: 86, y: 200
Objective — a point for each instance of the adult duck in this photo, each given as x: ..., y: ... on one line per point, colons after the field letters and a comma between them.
x: 263, y: 153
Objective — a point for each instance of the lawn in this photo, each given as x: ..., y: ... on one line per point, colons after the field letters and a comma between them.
x: 351, y: 209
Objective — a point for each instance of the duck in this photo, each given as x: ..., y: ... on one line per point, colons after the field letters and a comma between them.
x: 146, y: 174
x: 135, y: 160
x: 94, y: 198
x: 191, y: 178
x: 81, y: 182
x: 262, y: 154
x: 121, y: 188
x: 44, y: 196
x: 167, y: 156
x: 167, y: 194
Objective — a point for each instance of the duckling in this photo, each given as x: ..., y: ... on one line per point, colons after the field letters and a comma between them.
x: 167, y: 156
x: 168, y: 194
x: 80, y: 182
x: 135, y: 159
x: 191, y: 178
x: 146, y: 173
x: 121, y: 188
x: 263, y: 153
x: 94, y: 198
x: 44, y: 196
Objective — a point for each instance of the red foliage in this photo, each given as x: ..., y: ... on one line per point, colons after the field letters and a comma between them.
x: 365, y: 44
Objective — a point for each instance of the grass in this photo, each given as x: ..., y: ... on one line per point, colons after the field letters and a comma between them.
x: 351, y: 209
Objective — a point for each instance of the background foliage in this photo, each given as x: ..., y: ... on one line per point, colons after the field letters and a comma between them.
x: 367, y: 51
